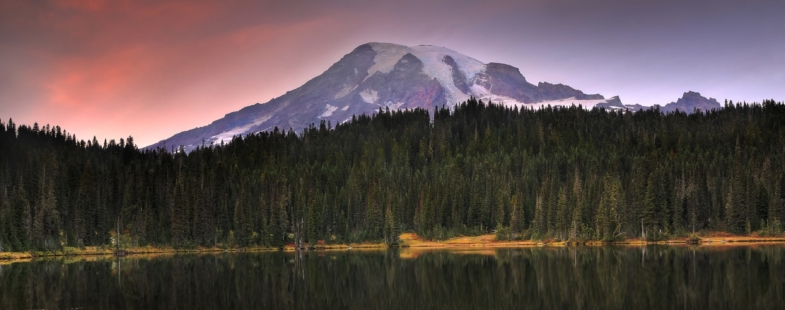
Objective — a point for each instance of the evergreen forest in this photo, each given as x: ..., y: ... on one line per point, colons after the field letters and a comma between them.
x: 563, y: 173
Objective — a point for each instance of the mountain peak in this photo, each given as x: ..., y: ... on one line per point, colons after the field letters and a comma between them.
x: 690, y: 101
x: 390, y: 76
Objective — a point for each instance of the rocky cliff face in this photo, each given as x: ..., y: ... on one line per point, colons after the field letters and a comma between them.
x: 558, y: 91
x: 383, y: 75
x: 689, y: 102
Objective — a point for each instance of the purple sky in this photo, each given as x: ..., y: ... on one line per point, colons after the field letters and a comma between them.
x: 154, y: 68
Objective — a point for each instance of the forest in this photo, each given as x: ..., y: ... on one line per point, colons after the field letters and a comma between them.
x: 557, y: 173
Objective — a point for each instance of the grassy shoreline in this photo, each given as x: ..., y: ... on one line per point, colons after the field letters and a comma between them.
x: 409, y: 240
x: 489, y: 240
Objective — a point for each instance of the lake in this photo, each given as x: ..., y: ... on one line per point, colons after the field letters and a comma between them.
x: 652, y: 277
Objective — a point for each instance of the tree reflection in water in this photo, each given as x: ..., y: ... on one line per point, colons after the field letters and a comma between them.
x: 535, y: 278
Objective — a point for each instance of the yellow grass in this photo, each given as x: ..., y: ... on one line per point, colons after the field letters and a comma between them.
x: 14, y: 255
x: 412, y: 240
x: 412, y: 246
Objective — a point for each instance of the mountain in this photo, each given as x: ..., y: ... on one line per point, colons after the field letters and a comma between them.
x: 384, y: 75
x: 688, y: 102
x: 691, y: 101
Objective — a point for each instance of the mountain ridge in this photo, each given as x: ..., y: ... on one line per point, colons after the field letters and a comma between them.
x: 688, y: 103
x: 388, y: 76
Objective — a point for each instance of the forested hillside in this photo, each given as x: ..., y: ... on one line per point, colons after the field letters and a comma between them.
x: 561, y: 173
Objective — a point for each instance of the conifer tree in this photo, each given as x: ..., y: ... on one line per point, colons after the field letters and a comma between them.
x: 390, y: 230
x: 650, y: 214
x: 23, y: 218
x: 283, y: 216
x: 500, y: 209
x: 539, y: 226
x: 5, y: 225
x: 312, y: 232
x: 179, y: 225
x: 762, y: 204
x: 602, y: 222
x: 517, y: 218
x: 85, y: 201
x: 563, y: 215
x: 45, y: 220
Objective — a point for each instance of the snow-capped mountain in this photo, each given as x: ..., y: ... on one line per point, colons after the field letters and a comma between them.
x: 383, y: 75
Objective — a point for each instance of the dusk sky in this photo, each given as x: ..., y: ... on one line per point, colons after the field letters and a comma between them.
x: 154, y: 68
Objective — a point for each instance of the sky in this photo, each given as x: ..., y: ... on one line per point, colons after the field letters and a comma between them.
x: 153, y: 68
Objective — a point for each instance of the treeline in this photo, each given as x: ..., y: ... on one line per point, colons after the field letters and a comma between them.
x: 553, y: 173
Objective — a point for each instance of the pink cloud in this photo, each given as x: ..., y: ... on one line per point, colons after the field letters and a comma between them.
x: 117, y: 68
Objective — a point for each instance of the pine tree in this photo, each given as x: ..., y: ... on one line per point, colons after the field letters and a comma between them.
x: 762, y: 204
x: 539, y: 226
x: 705, y: 207
x: 418, y: 220
x: 283, y: 216
x: 312, y: 224
x: 777, y: 208
x: 203, y: 219
x: 474, y: 219
x: 517, y: 218
x: 650, y: 214
x: 679, y: 222
x: 563, y: 215
x: 179, y: 224
x: 735, y: 206
x: 666, y: 200
x: 243, y: 223
x: 5, y: 224
x: 550, y: 198
x: 374, y: 216
x: 44, y: 223
x: 499, y: 213
x: 602, y: 222
x: 734, y: 215
x: 576, y: 223
x: 390, y: 229
x: 779, y: 211
x: 23, y: 218
x: 84, y: 203
x: 616, y: 208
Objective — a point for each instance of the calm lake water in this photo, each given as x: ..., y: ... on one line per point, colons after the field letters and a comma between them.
x: 653, y: 277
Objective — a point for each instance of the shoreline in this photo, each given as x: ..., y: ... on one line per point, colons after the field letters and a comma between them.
x: 407, y: 240
x: 488, y: 241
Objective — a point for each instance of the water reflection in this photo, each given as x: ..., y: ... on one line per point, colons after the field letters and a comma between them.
x: 534, y: 278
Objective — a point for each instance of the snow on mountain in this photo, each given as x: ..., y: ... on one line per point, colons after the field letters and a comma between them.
x: 384, y: 75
